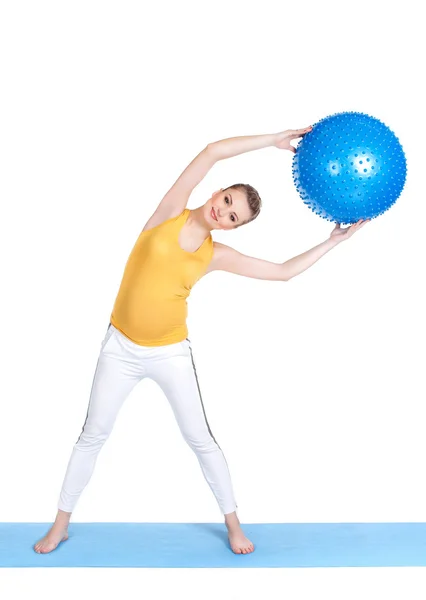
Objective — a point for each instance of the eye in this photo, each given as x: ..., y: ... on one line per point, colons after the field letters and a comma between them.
x: 226, y: 199
x: 233, y: 218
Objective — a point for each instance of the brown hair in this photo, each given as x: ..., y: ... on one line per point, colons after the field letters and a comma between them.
x: 253, y: 199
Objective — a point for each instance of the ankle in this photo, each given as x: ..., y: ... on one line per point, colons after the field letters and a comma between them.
x: 62, y: 519
x: 232, y: 521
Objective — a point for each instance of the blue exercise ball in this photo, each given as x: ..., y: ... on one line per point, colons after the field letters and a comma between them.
x: 350, y: 166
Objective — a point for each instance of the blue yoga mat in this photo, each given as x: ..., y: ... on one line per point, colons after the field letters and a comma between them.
x: 200, y: 545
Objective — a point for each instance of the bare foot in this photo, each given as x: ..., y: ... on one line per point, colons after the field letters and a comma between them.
x: 239, y: 543
x: 52, y: 539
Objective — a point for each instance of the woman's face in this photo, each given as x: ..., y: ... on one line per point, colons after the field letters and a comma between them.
x: 227, y: 208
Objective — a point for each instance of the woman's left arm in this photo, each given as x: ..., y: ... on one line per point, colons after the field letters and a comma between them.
x: 228, y: 259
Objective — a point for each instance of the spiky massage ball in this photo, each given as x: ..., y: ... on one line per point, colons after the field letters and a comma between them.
x: 350, y: 166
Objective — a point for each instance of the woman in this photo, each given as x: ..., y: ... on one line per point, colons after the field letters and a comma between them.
x: 147, y: 334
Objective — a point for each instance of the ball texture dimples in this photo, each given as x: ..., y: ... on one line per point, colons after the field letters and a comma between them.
x: 350, y: 166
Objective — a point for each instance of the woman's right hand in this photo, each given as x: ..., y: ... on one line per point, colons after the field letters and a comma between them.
x: 282, y: 140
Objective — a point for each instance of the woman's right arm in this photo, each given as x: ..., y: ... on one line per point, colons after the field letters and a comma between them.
x: 176, y: 199
x: 246, y: 143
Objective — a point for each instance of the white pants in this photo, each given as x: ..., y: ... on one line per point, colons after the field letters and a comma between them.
x: 121, y: 365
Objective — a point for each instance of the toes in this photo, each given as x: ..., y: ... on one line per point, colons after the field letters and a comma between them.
x: 246, y: 547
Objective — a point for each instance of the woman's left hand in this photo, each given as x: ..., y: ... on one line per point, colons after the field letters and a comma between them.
x: 283, y: 139
x: 339, y: 235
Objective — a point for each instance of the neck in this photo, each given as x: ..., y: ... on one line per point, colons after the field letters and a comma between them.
x: 197, y: 221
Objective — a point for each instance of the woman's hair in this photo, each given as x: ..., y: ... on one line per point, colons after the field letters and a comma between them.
x: 253, y: 199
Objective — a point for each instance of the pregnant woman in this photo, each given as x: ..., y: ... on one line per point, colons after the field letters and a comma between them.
x: 147, y: 333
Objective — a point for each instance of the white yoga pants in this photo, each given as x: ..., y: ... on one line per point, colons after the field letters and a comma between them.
x: 121, y: 365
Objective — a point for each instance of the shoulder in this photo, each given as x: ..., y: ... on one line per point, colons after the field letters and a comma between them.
x: 220, y: 249
x: 221, y: 252
x: 160, y: 217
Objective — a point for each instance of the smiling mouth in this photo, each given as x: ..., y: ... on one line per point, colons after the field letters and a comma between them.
x: 213, y: 214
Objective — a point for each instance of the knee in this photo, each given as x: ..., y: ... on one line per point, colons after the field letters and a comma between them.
x: 92, y: 439
x: 201, y: 444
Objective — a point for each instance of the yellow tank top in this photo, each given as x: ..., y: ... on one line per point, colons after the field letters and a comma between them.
x: 151, y: 308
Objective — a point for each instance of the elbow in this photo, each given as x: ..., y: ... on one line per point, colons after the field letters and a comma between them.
x: 212, y: 149
x: 284, y: 275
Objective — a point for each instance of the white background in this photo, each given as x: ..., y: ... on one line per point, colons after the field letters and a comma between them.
x: 313, y: 387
